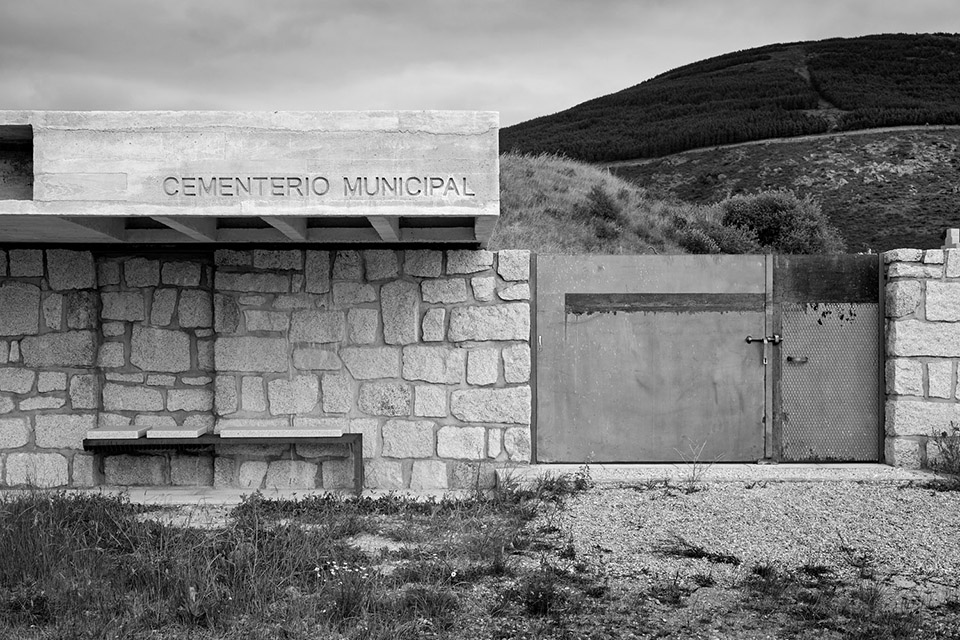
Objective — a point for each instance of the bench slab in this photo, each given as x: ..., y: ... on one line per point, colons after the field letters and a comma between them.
x: 125, y: 443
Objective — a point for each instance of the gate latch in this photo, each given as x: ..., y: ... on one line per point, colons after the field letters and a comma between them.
x: 774, y: 339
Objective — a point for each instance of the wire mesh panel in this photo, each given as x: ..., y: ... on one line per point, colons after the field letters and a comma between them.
x: 829, y: 384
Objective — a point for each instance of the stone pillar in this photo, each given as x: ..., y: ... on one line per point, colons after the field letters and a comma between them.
x: 923, y: 348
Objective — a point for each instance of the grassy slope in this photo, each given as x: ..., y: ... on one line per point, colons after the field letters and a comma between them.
x: 772, y: 91
x: 882, y: 190
x: 545, y: 206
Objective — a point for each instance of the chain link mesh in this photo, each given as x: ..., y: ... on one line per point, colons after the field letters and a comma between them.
x: 829, y: 385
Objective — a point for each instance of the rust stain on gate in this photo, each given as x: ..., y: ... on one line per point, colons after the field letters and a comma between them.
x: 646, y: 358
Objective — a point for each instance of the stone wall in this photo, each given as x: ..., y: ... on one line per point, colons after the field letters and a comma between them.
x: 49, y: 394
x: 156, y: 359
x: 923, y: 348
x: 425, y: 352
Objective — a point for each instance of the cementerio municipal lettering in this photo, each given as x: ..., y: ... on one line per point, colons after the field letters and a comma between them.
x: 312, y: 186
x: 252, y: 186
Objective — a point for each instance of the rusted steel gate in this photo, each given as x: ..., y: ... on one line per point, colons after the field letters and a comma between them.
x: 728, y: 358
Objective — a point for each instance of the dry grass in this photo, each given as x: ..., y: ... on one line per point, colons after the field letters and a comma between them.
x: 497, y: 566
x: 550, y: 204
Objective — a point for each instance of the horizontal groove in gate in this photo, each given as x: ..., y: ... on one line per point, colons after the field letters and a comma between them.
x: 584, y: 303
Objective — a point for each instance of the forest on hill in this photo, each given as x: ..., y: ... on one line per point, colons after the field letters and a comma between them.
x: 779, y: 90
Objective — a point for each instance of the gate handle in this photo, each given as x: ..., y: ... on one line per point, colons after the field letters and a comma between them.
x: 798, y: 359
x: 774, y: 339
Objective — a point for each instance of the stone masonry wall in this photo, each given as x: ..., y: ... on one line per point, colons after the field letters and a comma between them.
x: 923, y: 349
x: 156, y: 360
x: 48, y: 381
x: 425, y: 352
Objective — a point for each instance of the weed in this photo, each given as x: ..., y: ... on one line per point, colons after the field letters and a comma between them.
x: 861, y: 559
x: 438, y: 604
x: 651, y: 485
x: 947, y: 458
x: 695, y: 469
x: 818, y: 575
x: 539, y: 594
x: 583, y: 479
x: 427, y: 568
x: 669, y: 591
x: 765, y: 585
x: 678, y: 547
x: 347, y: 590
x: 704, y: 579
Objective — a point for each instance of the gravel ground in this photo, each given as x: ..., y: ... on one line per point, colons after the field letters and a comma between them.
x: 903, y: 536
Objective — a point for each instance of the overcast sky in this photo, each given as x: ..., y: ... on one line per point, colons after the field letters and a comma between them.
x: 523, y: 58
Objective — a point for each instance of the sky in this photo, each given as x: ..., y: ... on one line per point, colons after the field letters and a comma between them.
x: 523, y: 58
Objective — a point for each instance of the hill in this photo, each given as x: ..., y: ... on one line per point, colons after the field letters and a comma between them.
x: 882, y: 189
x: 778, y: 90
x: 556, y: 205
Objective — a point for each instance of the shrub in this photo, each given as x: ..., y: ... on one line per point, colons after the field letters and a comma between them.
x: 707, y: 236
x: 782, y: 223
x: 696, y: 240
x: 602, y: 212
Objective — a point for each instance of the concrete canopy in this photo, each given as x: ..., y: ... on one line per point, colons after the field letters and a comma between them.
x: 378, y: 177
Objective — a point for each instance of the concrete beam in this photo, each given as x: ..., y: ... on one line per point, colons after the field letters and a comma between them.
x: 388, y: 228
x: 293, y: 227
x: 484, y: 227
x: 198, y: 229
x: 109, y: 229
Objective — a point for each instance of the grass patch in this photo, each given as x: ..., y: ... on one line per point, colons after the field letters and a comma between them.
x: 813, y: 599
x: 498, y: 566
x: 88, y: 566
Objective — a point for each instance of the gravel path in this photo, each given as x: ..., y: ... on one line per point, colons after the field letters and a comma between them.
x: 907, y: 537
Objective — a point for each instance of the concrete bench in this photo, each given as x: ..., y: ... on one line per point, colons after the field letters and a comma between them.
x: 133, y: 438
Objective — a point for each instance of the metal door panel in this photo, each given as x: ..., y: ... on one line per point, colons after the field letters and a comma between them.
x: 640, y: 359
x: 830, y: 358
x: 647, y: 386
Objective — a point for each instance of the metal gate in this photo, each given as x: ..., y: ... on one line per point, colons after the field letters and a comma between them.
x: 728, y: 358
x: 829, y: 370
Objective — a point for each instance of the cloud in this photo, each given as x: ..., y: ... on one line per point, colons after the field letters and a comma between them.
x: 521, y: 57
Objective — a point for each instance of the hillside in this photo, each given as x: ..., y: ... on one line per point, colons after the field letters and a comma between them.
x: 772, y: 91
x: 556, y: 205
x: 882, y: 190
x: 546, y: 207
